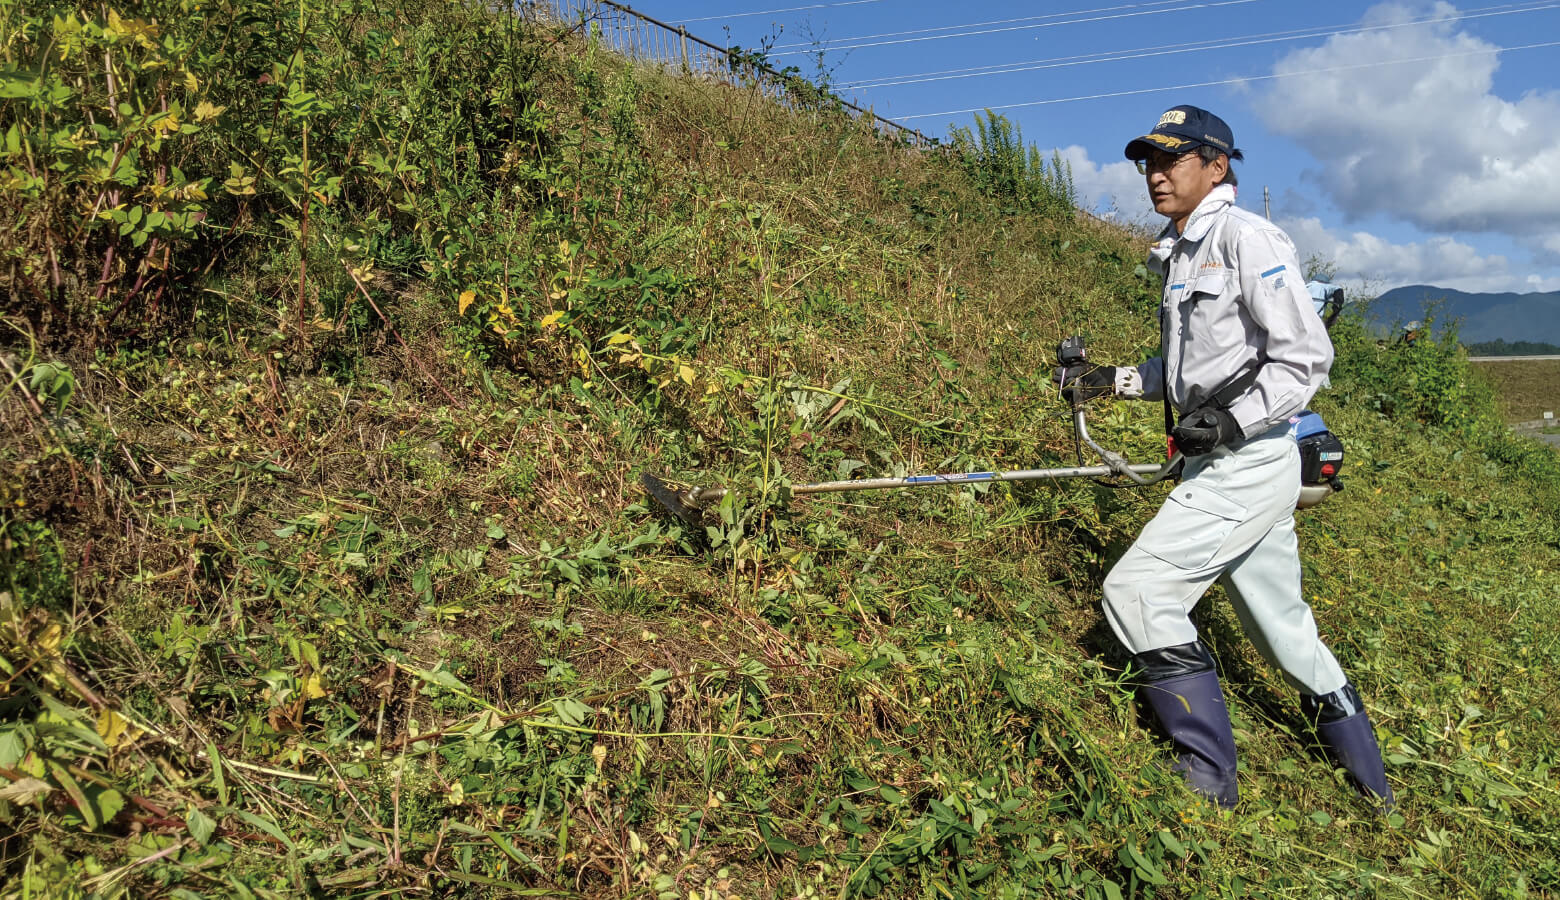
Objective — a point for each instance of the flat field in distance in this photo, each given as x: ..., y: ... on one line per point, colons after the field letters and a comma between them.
x: 1525, y: 388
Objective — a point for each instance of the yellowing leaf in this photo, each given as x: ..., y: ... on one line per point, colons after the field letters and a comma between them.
x: 466, y: 298
x: 205, y: 111
x: 616, y: 339
x: 48, y: 640
x: 551, y: 319
x: 240, y: 184
x: 686, y: 373
x: 313, y: 686
x: 114, y: 729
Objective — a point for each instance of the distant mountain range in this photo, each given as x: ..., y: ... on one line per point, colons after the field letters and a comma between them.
x: 1484, y: 317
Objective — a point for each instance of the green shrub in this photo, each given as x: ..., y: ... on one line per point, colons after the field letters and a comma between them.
x: 143, y: 144
x: 1426, y: 381
x: 1002, y: 167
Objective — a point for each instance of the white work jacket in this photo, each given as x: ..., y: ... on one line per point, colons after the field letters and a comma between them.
x: 1234, y: 295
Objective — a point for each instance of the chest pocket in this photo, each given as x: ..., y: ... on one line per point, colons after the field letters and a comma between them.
x: 1209, y: 286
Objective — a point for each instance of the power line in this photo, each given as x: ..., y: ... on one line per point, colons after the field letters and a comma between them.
x: 1141, y: 52
x: 937, y: 37
x: 1062, y: 61
x: 767, y: 12
x: 1187, y: 47
x: 1080, y: 12
x: 1245, y: 79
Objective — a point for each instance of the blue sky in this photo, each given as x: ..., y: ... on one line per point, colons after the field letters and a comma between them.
x: 1441, y: 166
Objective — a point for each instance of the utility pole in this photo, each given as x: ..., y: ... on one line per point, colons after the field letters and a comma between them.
x: 1267, y: 213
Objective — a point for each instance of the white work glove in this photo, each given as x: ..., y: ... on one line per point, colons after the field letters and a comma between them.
x: 1099, y: 381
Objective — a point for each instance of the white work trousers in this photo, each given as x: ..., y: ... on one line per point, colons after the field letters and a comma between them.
x: 1232, y: 519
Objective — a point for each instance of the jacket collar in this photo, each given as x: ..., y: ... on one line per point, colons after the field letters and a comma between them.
x: 1219, y: 199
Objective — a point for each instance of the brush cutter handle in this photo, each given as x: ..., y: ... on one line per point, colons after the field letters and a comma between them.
x: 1118, y: 464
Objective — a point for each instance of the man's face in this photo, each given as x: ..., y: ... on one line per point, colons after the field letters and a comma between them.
x: 1177, y: 182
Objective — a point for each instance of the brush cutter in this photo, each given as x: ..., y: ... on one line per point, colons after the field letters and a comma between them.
x: 690, y: 502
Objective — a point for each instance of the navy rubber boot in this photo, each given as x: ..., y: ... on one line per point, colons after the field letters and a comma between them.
x: 1182, y: 687
x: 1345, y: 730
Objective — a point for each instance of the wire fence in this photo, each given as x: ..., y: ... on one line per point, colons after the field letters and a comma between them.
x: 645, y: 38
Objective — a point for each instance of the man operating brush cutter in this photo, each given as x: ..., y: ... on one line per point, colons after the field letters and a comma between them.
x: 1242, y: 351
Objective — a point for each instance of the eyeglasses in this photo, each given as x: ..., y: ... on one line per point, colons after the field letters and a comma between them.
x: 1162, y: 162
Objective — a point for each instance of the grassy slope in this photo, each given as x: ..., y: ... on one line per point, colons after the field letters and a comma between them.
x: 449, y: 648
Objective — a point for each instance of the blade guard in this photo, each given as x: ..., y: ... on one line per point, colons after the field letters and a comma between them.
x: 684, y: 505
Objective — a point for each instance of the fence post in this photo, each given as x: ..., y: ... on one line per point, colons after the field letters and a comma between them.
x: 683, y: 31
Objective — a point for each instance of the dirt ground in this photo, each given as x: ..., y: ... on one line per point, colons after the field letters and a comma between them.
x: 1527, y: 388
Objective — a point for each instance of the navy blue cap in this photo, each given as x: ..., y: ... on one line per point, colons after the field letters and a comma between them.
x: 1184, y: 128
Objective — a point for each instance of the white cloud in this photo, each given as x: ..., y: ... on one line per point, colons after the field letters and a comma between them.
x: 1114, y: 189
x: 1425, y: 142
x: 1367, y: 261
x: 1362, y: 257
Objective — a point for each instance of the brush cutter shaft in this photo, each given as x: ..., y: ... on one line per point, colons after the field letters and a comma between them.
x: 689, y: 503
x: 868, y: 484
x: 703, y: 497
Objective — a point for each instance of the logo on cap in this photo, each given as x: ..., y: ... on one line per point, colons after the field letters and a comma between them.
x: 1180, y: 129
